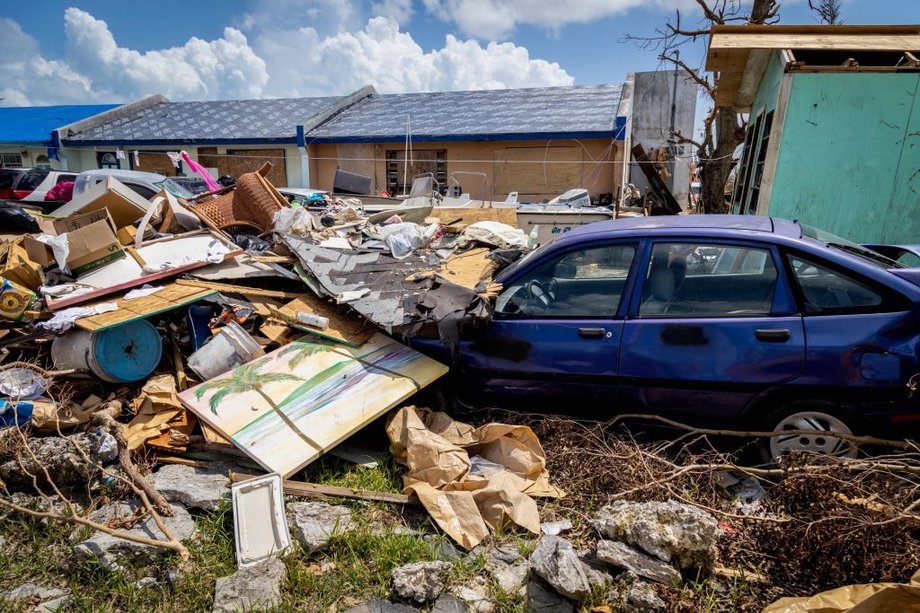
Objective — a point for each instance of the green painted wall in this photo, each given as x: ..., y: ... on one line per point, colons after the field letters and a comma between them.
x: 849, y: 158
x: 768, y: 90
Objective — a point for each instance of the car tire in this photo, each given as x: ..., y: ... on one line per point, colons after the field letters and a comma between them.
x: 821, y: 416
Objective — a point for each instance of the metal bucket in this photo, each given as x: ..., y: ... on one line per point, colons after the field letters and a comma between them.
x: 123, y: 354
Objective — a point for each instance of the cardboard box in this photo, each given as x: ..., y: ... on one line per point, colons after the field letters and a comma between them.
x: 92, y: 246
x: 126, y: 235
x: 124, y: 204
x: 81, y: 220
x: 14, y: 299
x: 17, y: 265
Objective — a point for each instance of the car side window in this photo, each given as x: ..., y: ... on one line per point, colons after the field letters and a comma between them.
x: 708, y: 280
x: 827, y: 291
x: 581, y: 283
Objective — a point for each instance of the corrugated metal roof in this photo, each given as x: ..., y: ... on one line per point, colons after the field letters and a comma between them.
x: 478, y: 113
x: 33, y: 124
x: 218, y: 120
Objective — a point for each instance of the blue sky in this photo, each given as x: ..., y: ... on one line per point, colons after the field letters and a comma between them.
x: 104, y: 51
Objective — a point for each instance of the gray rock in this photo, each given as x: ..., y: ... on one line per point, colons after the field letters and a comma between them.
x: 475, y: 598
x: 59, y: 456
x: 382, y: 606
x: 509, y: 577
x: 597, y: 577
x: 543, y: 600
x: 555, y: 528
x: 443, y: 548
x: 448, y: 603
x: 556, y: 562
x: 313, y: 522
x: 623, y: 556
x: 667, y: 530
x: 253, y: 587
x: 196, y: 488
x: 508, y: 554
x: 643, y: 599
x: 34, y: 593
x: 108, y: 549
x: 145, y: 582
x: 420, y: 582
x: 51, y: 606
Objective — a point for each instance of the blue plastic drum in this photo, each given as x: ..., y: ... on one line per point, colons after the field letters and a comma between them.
x: 126, y: 353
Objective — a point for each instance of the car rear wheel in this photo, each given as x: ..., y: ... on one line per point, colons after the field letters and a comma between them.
x: 815, y: 416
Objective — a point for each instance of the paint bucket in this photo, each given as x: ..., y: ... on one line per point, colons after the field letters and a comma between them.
x: 230, y: 348
x: 123, y: 354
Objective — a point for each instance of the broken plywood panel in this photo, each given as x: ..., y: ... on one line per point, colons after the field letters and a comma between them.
x: 237, y: 289
x: 166, y: 299
x: 353, y: 330
x: 288, y: 408
x: 462, y: 217
x: 469, y: 268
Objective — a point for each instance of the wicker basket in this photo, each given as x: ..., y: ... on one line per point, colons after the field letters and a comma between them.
x: 252, y: 204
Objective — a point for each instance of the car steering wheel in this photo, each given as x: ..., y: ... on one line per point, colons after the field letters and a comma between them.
x: 539, y: 296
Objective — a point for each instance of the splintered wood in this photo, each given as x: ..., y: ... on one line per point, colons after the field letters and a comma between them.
x: 462, y: 217
x: 166, y: 299
x: 353, y: 330
x: 469, y: 268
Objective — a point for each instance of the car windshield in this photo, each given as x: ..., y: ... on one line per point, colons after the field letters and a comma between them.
x: 837, y: 242
x: 174, y: 188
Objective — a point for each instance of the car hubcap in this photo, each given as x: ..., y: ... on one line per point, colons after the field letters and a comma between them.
x: 822, y: 441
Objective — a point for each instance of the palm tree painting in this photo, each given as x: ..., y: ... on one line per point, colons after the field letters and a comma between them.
x: 311, y: 396
x: 246, y: 378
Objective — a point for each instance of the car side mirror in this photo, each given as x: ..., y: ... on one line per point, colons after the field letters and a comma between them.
x: 565, y: 270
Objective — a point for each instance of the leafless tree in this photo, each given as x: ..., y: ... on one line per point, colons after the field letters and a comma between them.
x: 723, y: 128
x: 828, y: 11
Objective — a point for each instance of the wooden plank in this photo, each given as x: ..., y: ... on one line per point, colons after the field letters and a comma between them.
x: 817, y: 41
x: 462, y: 217
x: 315, y: 490
x: 469, y: 268
x: 238, y: 289
x: 314, y: 396
x: 655, y: 182
x: 169, y: 298
x: 352, y: 330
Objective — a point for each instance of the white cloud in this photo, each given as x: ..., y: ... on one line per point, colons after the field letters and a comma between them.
x: 270, y: 62
x: 495, y: 19
x: 391, y: 60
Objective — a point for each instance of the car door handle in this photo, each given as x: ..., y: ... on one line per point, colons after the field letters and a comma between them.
x: 592, y: 332
x: 773, y: 336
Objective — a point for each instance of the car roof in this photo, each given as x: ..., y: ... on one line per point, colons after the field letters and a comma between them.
x: 664, y: 223
x: 137, y: 175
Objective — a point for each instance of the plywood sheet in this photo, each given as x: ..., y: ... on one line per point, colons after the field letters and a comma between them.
x: 469, y: 268
x: 288, y: 408
x: 461, y: 216
x: 168, y: 298
x: 537, y: 172
x: 353, y: 330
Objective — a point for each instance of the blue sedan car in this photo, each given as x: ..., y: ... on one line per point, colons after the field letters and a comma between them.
x: 743, y: 322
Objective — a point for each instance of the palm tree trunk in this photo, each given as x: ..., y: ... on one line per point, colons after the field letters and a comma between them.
x: 287, y: 420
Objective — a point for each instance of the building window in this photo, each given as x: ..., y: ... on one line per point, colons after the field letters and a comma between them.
x: 399, y: 177
x: 10, y: 160
x: 107, y: 159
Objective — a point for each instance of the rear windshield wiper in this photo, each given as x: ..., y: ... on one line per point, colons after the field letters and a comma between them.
x: 868, y: 254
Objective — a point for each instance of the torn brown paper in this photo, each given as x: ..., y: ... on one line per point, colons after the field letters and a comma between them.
x: 860, y: 598
x: 470, y: 480
x: 154, y: 408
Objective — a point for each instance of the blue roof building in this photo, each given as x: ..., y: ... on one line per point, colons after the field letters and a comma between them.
x: 28, y: 129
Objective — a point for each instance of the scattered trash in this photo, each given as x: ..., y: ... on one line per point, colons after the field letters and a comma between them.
x: 259, y: 522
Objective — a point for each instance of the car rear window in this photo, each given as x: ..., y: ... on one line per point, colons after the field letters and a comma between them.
x: 8, y: 177
x: 32, y: 179
x: 841, y: 244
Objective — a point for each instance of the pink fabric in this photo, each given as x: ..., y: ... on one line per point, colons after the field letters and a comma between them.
x: 60, y: 192
x: 200, y: 170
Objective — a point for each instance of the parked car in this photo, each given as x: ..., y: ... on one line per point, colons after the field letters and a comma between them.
x: 147, y: 184
x: 909, y: 255
x: 742, y: 322
x: 8, y: 178
x: 33, y: 185
x: 195, y: 185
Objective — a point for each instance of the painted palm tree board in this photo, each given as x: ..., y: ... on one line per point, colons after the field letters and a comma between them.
x: 291, y: 406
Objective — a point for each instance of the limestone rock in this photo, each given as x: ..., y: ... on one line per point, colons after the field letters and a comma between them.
x: 108, y: 548
x: 643, y: 599
x: 508, y: 554
x: 420, y: 582
x: 556, y: 562
x: 543, y: 600
x: 623, y: 556
x: 448, y: 603
x: 475, y: 598
x: 196, y: 488
x: 59, y: 456
x: 510, y: 577
x: 667, y: 530
x: 254, y: 587
x: 32, y: 593
x: 313, y: 522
